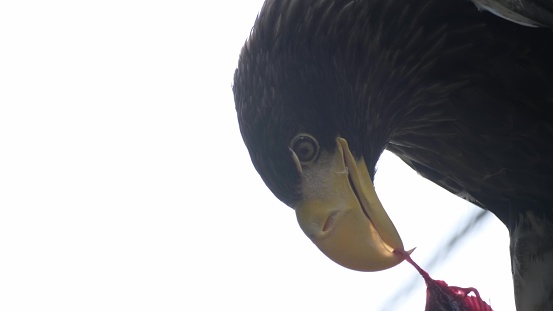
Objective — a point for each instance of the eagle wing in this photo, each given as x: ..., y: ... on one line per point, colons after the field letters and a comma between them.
x: 534, y: 13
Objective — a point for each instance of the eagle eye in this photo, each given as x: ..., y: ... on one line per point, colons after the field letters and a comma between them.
x: 305, y: 147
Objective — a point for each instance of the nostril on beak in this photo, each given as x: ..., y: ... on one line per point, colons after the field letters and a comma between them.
x: 329, y: 221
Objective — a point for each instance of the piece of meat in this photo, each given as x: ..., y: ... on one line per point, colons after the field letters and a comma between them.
x: 442, y: 297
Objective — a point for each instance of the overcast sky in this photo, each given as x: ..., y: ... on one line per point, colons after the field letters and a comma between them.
x: 125, y: 185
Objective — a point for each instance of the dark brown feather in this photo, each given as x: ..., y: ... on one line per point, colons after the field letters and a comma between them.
x: 463, y: 97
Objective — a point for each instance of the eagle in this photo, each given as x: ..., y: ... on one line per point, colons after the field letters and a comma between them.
x: 462, y: 96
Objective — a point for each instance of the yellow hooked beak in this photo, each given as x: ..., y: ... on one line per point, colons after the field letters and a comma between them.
x: 347, y: 222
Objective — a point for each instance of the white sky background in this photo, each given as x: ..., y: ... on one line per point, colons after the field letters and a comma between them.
x: 125, y: 185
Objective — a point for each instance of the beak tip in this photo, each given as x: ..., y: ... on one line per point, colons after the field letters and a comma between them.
x: 403, y: 253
